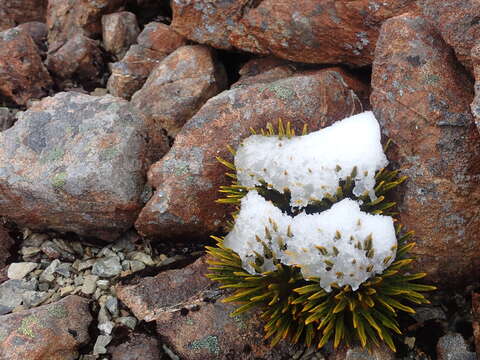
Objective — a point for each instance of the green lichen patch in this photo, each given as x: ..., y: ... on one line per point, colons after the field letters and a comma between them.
x: 283, y: 92
x: 58, y: 311
x: 59, y: 180
x: 27, y: 326
x: 53, y: 155
x: 209, y: 343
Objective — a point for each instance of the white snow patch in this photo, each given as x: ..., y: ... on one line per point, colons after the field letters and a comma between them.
x: 311, y: 166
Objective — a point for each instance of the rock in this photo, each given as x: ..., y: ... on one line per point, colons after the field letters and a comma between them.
x: 112, y: 305
x: 264, y: 70
x: 155, y: 295
x: 359, y: 353
x: 179, y: 86
x: 142, y: 257
x: 79, y: 58
x: 6, y: 21
x: 453, y: 347
x: 38, y: 31
x: 300, y: 31
x: 128, y: 321
x: 7, y: 118
x: 68, y: 18
x: 17, y: 271
x: 11, y: 295
x: 48, y: 274
x: 6, y: 242
x: 120, y: 30
x: 49, y: 332
x: 89, y: 284
x: 475, y: 106
x: 78, y: 156
x: 22, y: 11
x: 22, y: 74
x: 188, y: 177
x: 101, y: 344
x: 458, y: 23
x: 53, y: 251
x: 107, y: 267
x: 421, y: 98
x: 155, y: 42
x: 476, y: 320
x: 138, y: 346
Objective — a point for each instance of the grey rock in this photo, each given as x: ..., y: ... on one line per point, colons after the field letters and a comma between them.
x: 17, y: 271
x: 112, y: 305
x: 82, y: 161
x: 48, y: 274
x: 120, y: 30
x: 89, y: 284
x: 11, y: 293
x: 103, y: 284
x: 107, y: 267
x: 64, y: 269
x: 7, y: 118
x: 425, y: 313
x: 101, y: 343
x: 140, y: 256
x: 34, y: 298
x: 453, y: 347
x: 54, y: 251
x: 128, y: 321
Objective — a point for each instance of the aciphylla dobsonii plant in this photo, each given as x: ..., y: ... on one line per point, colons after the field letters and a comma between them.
x: 314, y: 243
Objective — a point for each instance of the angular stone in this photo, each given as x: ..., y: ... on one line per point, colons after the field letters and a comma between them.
x: 155, y: 42
x: 120, y: 30
x: 179, y: 86
x: 75, y: 163
x: 107, y: 267
x: 453, y: 347
x: 6, y: 242
x: 421, y: 98
x: 79, y: 58
x: 11, y: 294
x: 299, y: 31
x: 188, y: 177
x: 458, y: 23
x: 153, y: 296
x: 49, y: 332
x: 89, y: 284
x: 22, y: 74
x: 100, y: 346
x: 138, y: 346
x: 22, y: 11
x: 68, y: 18
x: 48, y: 273
x: 38, y: 31
x: 17, y: 271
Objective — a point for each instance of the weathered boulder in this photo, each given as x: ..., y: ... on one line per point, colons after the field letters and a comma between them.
x: 74, y: 162
x: 305, y: 31
x: 66, y: 18
x: 22, y: 74
x: 179, y: 86
x: 458, y: 21
x: 187, y: 179
x: 264, y: 70
x: 22, y: 11
x: 6, y: 242
x: 49, y: 332
x: 155, y: 42
x: 421, y: 98
x: 137, y: 347
x: 120, y: 30
x: 79, y: 59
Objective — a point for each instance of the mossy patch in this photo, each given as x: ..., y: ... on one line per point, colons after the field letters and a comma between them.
x: 283, y: 92
x: 27, y: 325
x: 209, y: 342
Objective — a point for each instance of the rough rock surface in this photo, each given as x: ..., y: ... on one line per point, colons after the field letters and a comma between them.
x: 138, y: 347
x: 187, y: 178
x: 421, y: 98
x: 264, y: 70
x: 22, y: 74
x: 476, y: 320
x: 155, y: 42
x: 6, y: 21
x: 453, y: 347
x: 50, y: 332
x: 74, y: 162
x: 303, y: 31
x: 120, y: 30
x: 79, y: 58
x: 66, y: 18
x: 458, y: 21
x: 475, y: 106
x: 359, y: 353
x: 22, y: 11
x: 38, y: 31
x: 6, y: 242
x: 179, y: 86
x: 7, y: 118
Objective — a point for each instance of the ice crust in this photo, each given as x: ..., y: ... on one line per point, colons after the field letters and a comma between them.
x: 344, y: 226
x: 311, y: 166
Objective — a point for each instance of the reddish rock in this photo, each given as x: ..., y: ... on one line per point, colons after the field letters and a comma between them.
x: 476, y: 320
x: 22, y: 74
x: 6, y: 21
x: 38, y: 31
x: 264, y: 70
x: 137, y: 347
x: 6, y: 242
x: 66, y: 18
x: 155, y: 42
x: 188, y: 177
x: 421, y: 98
x: 75, y: 163
x: 49, y: 332
x: 120, y: 30
x: 80, y: 59
x: 22, y: 11
x: 475, y: 106
x: 179, y: 86
x: 458, y: 21
x: 304, y: 31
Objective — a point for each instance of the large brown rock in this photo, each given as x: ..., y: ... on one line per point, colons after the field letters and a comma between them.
x: 120, y: 30
x: 49, y: 332
x: 66, y: 18
x: 305, y: 31
x: 22, y: 11
x: 179, y: 86
x: 458, y: 21
x: 79, y: 59
x: 6, y: 242
x: 22, y: 74
x: 6, y: 21
x: 137, y: 347
x: 421, y: 97
x: 187, y: 179
x: 155, y: 42
x: 75, y: 163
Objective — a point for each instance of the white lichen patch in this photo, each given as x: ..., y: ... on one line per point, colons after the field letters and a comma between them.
x: 313, y: 165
